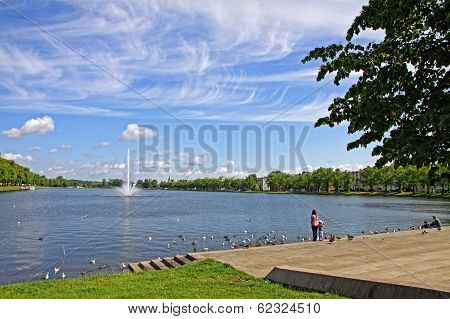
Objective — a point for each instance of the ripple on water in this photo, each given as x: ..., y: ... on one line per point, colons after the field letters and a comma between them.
x: 96, y: 223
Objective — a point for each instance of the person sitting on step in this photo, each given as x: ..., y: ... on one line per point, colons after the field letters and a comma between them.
x: 436, y: 223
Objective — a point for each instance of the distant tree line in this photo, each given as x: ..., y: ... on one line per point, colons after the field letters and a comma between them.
x: 385, y: 179
x: 148, y: 184
x: 214, y: 184
x: 14, y: 174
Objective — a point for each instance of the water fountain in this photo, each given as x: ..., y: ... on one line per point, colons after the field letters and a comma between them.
x: 128, y: 189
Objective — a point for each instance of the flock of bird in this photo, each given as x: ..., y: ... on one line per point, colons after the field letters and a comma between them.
x: 246, y: 240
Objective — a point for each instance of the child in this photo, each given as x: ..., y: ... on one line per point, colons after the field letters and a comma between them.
x: 321, y: 226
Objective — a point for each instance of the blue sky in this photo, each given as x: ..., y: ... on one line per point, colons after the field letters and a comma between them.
x: 77, y: 78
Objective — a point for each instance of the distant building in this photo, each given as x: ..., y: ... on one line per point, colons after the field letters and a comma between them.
x: 262, y: 182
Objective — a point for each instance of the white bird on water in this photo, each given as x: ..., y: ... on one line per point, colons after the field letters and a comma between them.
x: 63, y: 276
x: 57, y: 269
x: 46, y: 276
x: 93, y: 261
x: 123, y: 266
x: 150, y: 238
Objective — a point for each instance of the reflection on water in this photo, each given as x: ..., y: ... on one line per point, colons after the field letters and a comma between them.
x: 96, y: 224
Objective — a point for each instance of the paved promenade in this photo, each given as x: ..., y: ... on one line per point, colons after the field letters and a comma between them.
x: 404, y: 258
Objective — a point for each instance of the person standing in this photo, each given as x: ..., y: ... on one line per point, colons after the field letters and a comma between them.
x: 314, y: 224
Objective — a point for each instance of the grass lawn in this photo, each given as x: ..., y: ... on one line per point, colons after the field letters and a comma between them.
x: 10, y: 188
x: 205, y: 279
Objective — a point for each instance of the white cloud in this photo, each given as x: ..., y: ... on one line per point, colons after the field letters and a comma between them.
x: 103, y: 145
x: 32, y: 126
x: 230, y: 163
x: 15, y: 60
x: 17, y: 157
x: 197, y: 160
x: 63, y: 147
x: 133, y: 131
x: 160, y: 153
x: 189, y: 56
x: 110, y: 170
x: 61, y: 171
x: 350, y: 167
x: 35, y: 149
x: 157, y: 165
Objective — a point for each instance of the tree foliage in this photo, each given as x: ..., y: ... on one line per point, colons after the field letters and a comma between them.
x: 401, y: 100
x: 12, y: 173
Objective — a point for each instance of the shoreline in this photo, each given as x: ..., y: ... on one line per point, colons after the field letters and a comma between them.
x: 12, y: 189
x: 362, y: 193
x: 438, y: 196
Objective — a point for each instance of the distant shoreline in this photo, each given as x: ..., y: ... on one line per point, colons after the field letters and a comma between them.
x: 374, y: 194
x: 362, y: 193
x: 13, y: 188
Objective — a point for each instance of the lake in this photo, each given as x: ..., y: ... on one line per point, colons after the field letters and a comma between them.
x: 78, y: 225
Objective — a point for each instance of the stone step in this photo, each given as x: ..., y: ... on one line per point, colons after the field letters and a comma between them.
x: 134, y: 267
x: 169, y: 262
x: 190, y: 257
x: 158, y: 264
x: 146, y: 265
x: 182, y: 260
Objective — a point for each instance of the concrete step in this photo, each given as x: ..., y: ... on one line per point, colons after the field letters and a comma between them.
x: 169, y: 262
x: 146, y: 265
x: 158, y: 264
x: 182, y: 260
x: 190, y: 257
x: 134, y: 267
